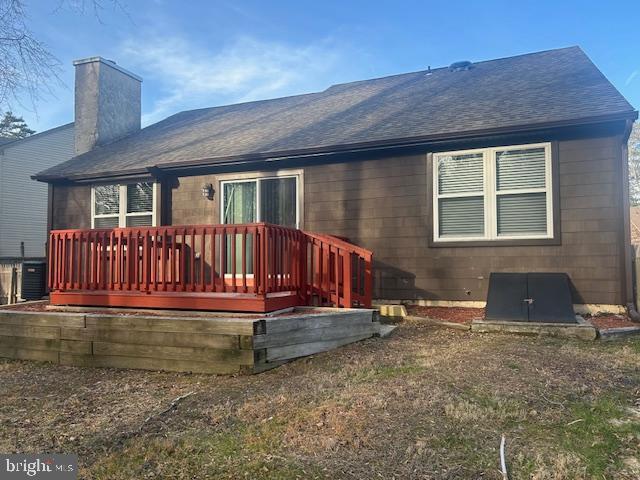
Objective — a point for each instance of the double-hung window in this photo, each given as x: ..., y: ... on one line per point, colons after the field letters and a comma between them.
x: 501, y: 193
x: 123, y: 205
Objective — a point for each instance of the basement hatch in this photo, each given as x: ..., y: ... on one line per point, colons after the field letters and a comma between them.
x: 530, y: 297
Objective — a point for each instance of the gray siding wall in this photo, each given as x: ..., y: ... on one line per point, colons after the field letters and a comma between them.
x: 23, y: 201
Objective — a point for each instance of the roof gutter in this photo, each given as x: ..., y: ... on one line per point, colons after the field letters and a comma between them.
x: 394, y: 143
x: 361, y: 147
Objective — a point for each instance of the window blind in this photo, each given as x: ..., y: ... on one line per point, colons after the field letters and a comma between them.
x: 106, y: 222
x: 461, y: 217
x: 139, y: 197
x: 107, y: 200
x: 520, y: 169
x: 461, y: 173
x: 139, y: 220
x: 520, y: 214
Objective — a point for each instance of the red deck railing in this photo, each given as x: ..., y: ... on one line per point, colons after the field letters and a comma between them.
x: 340, y: 272
x: 250, y: 267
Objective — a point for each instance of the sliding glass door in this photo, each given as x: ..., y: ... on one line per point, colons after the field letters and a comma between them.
x: 265, y: 199
x: 268, y: 199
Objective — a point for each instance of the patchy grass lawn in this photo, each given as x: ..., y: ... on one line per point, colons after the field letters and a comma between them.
x: 425, y: 403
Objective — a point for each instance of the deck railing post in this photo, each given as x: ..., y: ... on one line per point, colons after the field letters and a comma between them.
x: 347, y: 286
x: 258, y: 285
x: 244, y: 259
x: 49, y: 261
x: 234, y: 258
x: 368, y: 280
x: 266, y: 254
x: 223, y: 258
x: 303, y: 279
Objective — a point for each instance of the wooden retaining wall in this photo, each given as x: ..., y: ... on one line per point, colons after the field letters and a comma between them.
x: 199, y: 345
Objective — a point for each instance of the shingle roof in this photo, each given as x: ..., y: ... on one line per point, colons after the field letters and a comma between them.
x: 546, y: 87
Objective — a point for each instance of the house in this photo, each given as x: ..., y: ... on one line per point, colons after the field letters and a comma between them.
x: 23, y: 202
x: 511, y: 165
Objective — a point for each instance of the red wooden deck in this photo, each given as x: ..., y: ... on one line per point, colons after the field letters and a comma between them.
x: 255, y: 267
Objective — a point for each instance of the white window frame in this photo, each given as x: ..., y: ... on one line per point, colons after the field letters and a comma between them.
x: 491, y: 194
x: 257, y: 177
x: 122, y: 214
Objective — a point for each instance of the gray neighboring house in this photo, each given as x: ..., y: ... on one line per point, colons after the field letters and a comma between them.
x: 23, y: 202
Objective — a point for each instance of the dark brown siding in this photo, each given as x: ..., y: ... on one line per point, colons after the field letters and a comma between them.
x: 71, y: 207
x: 188, y: 206
x: 382, y: 204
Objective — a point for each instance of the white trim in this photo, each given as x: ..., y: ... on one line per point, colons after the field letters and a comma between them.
x: 122, y: 214
x: 491, y: 194
x: 155, y: 201
x: 256, y: 177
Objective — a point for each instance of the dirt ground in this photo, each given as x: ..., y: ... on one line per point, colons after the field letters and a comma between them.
x: 425, y: 403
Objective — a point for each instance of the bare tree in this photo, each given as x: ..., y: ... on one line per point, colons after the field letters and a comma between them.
x: 27, y: 68
x: 97, y: 7
x: 634, y: 165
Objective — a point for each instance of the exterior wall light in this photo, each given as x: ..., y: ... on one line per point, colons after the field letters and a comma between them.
x: 208, y: 191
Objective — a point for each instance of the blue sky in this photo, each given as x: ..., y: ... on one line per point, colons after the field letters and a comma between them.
x: 196, y: 53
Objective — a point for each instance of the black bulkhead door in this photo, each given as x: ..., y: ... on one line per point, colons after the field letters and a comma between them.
x: 505, y: 300
x: 551, y: 297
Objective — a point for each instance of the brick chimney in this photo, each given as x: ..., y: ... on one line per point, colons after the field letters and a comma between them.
x: 107, y: 103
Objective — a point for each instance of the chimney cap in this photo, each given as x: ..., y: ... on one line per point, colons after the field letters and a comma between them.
x: 110, y: 63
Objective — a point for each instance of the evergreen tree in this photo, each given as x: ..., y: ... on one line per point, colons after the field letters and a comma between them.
x: 14, y: 127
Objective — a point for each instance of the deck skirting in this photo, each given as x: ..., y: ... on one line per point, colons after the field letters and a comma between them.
x: 229, y: 302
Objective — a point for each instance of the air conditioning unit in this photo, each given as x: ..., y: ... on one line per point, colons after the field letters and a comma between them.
x: 33, y: 280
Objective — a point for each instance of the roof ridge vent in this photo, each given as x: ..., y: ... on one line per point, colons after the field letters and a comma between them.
x: 460, y: 66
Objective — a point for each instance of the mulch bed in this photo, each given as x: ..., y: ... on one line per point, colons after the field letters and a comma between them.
x: 27, y: 307
x: 604, y: 322
x: 447, y: 314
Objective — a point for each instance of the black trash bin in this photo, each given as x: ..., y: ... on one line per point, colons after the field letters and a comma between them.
x: 33, y: 280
